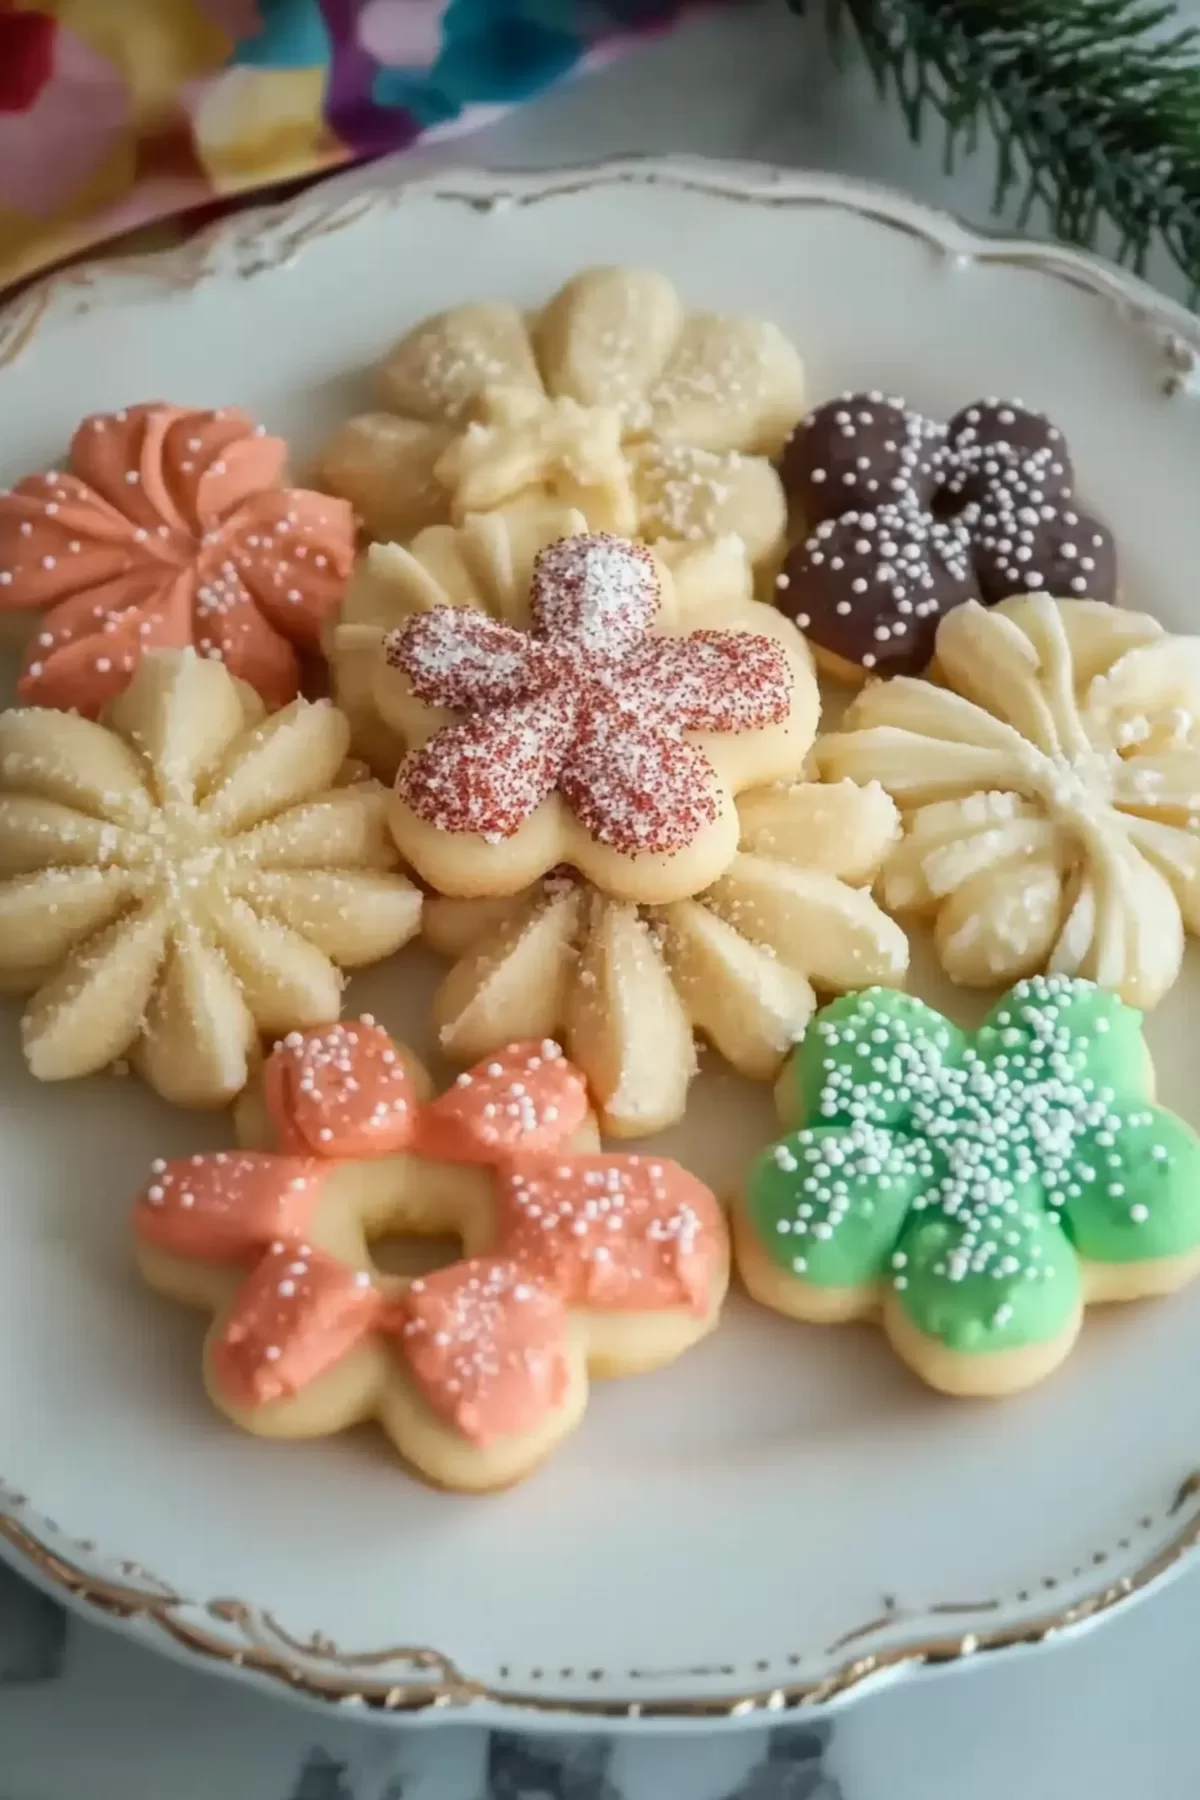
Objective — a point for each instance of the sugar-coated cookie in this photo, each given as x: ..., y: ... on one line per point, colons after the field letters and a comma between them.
x: 652, y: 421
x: 595, y: 738
x: 574, y: 1263
x: 906, y: 518
x: 972, y: 1191
x: 487, y: 563
x: 167, y: 528
x: 186, y: 876
x: 1050, y: 780
x: 629, y: 988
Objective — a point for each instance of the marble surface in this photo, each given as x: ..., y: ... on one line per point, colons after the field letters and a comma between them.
x: 85, y: 1715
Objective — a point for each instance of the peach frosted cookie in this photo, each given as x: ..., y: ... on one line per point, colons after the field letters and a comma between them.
x: 629, y: 987
x: 653, y: 421
x: 186, y: 876
x: 591, y: 739
x: 1050, y: 781
x: 973, y: 1191
x: 573, y: 1263
x: 169, y: 527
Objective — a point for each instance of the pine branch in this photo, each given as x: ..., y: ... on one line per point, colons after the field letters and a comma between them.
x: 1094, y: 106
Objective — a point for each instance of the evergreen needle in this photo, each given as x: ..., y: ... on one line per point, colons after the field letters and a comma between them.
x: 1094, y: 105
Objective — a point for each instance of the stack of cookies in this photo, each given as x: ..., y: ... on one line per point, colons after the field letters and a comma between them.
x: 602, y: 736
x: 533, y: 676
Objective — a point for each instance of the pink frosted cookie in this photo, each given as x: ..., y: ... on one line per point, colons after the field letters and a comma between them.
x: 168, y: 528
x: 573, y: 1263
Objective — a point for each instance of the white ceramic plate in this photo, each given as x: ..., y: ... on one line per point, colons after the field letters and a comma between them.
x: 785, y: 1516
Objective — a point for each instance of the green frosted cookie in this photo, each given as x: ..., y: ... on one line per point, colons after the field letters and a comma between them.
x: 973, y: 1188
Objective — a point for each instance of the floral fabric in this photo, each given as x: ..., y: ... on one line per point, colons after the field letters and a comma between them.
x: 118, y: 113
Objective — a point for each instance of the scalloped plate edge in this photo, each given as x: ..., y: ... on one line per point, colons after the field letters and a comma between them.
x: 417, y: 1683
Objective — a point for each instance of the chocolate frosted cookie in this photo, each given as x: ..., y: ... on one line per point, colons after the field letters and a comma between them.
x: 857, y: 452
x: 908, y: 517
x: 875, y: 584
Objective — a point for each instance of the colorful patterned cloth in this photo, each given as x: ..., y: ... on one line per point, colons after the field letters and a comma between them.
x: 116, y: 113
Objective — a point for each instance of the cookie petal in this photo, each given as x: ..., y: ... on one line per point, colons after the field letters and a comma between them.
x: 831, y: 1072
x: 38, y: 834
x: 460, y: 659
x: 1001, y: 924
x: 720, y: 680
x: 198, y: 1035
x: 1176, y: 855
x: 834, y: 934
x: 353, y: 917
x: 626, y: 1027
x: 294, y: 552
x: 1149, y: 1207
x: 1165, y: 786
x: 344, y: 829
x: 730, y: 384
x: 1124, y: 928
x: 835, y: 1241
x: 489, y: 773
x: 685, y: 492
x: 182, y: 713
x: 606, y: 336
x: 748, y: 1003
x: 76, y: 764
x: 44, y: 915
x: 837, y: 827
x: 965, y: 1307
x: 287, y: 983
x: 384, y: 466
x: 90, y: 1012
x: 952, y: 841
x: 439, y: 370
x: 512, y: 977
x: 288, y: 758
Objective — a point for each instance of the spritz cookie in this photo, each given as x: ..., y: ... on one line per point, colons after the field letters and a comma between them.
x: 487, y: 563
x: 905, y: 518
x: 629, y: 989
x: 595, y: 738
x: 972, y: 1191
x: 169, y: 527
x: 1050, y: 781
x: 186, y: 876
x: 574, y: 1263
x: 653, y: 421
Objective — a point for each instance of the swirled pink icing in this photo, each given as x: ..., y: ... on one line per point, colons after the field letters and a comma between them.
x: 167, y: 528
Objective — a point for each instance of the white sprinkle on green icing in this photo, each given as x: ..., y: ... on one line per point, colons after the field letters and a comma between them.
x: 972, y: 1172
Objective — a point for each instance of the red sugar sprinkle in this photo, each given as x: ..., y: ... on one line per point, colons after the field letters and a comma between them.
x: 586, y: 703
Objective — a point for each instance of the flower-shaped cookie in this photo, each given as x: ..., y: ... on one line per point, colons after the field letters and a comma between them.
x: 908, y: 518
x: 574, y: 1263
x: 626, y: 987
x: 487, y: 563
x: 169, y: 528
x: 186, y: 876
x: 974, y: 1189
x: 614, y: 399
x: 595, y: 738
x: 1051, y: 782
